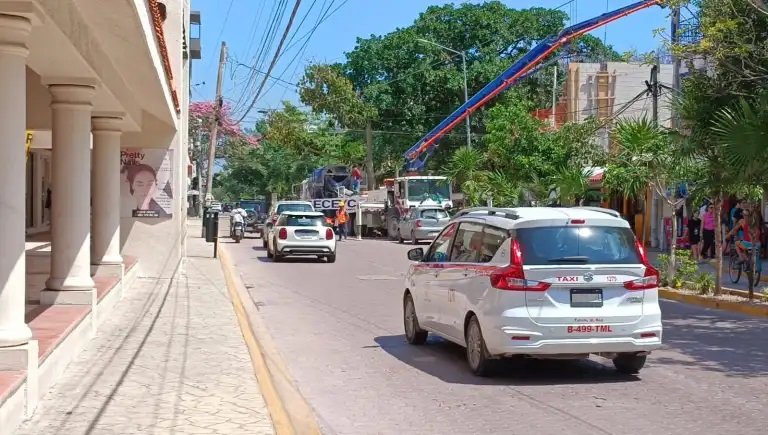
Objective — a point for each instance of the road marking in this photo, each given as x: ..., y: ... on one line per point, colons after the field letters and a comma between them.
x: 280, y: 420
x: 376, y: 277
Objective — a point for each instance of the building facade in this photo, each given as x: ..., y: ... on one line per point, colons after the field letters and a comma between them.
x: 93, y: 126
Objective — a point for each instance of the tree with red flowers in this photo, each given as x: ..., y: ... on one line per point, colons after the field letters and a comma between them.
x: 231, y: 138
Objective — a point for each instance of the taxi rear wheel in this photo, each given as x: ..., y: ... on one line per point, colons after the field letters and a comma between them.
x: 629, y: 364
x: 413, y: 332
x: 477, y: 353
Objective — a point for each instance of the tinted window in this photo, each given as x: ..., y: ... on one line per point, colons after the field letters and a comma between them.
x: 301, y: 221
x: 577, y: 245
x: 492, y: 239
x: 438, y: 252
x: 434, y: 213
x: 282, y: 208
x: 468, y: 243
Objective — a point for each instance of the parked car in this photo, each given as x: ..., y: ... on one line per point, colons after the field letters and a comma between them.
x: 422, y: 223
x: 536, y: 282
x: 277, y: 209
x: 302, y: 234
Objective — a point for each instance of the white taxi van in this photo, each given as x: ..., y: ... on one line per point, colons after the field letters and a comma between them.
x: 537, y: 282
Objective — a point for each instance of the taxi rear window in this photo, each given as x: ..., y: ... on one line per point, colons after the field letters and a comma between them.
x: 577, y: 245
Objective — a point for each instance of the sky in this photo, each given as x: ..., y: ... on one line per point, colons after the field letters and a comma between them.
x: 243, y: 24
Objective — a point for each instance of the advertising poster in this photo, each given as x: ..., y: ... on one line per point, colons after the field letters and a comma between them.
x: 146, y: 175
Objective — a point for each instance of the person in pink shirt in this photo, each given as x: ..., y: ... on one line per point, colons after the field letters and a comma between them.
x: 708, y: 228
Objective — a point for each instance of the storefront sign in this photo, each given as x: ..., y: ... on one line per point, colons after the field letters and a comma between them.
x: 333, y: 203
x: 146, y: 190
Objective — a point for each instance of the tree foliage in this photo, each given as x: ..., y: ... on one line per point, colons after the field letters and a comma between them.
x: 406, y: 86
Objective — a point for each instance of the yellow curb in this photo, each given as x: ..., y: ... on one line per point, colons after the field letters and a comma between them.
x: 280, y: 419
x: 702, y: 301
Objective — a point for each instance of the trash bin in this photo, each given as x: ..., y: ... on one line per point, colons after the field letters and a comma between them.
x: 211, y: 225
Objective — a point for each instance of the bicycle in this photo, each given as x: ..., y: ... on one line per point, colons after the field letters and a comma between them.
x: 735, y: 267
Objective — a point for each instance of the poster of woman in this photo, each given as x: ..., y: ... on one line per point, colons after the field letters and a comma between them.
x: 146, y: 183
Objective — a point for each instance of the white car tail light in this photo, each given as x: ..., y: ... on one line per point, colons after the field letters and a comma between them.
x: 418, y: 223
x: 650, y: 279
x: 328, y: 234
x: 512, y: 277
x: 282, y: 234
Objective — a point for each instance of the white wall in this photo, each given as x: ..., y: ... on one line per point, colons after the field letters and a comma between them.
x: 159, y: 243
x: 629, y: 82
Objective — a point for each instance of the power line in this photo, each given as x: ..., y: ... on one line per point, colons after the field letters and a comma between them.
x: 277, y: 13
x: 274, y: 58
x: 221, y: 31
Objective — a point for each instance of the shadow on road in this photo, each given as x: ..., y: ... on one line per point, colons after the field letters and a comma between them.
x: 717, y: 341
x: 446, y: 361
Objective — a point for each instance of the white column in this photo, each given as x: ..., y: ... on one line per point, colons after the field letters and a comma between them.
x: 71, y: 188
x: 105, y: 178
x: 14, y: 32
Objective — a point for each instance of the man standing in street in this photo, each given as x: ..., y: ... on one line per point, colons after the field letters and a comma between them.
x: 341, y: 220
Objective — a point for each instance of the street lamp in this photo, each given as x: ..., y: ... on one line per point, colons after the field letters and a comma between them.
x: 466, y: 93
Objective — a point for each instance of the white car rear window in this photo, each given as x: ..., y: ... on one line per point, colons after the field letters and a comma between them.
x: 577, y: 245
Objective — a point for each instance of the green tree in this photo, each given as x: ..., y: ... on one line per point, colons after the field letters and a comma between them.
x: 645, y: 155
x: 411, y: 85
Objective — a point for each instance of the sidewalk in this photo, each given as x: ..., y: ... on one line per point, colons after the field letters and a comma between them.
x: 709, y: 267
x: 170, y: 360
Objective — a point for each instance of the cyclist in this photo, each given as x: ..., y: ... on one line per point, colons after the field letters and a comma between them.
x: 744, y: 241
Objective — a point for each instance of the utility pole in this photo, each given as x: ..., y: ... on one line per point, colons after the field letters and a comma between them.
x: 466, y: 88
x: 655, y: 91
x: 370, y: 173
x: 466, y: 98
x: 215, y: 126
x: 554, y: 99
x: 653, y: 88
x: 676, y: 63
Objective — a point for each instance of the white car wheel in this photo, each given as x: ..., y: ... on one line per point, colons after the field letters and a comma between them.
x: 477, y: 353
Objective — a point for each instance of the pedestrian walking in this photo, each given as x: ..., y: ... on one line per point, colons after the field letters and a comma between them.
x: 694, y: 235
x: 342, y: 218
x: 708, y: 228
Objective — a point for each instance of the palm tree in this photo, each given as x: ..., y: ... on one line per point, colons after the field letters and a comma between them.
x: 644, y: 157
x: 571, y: 184
x: 741, y: 131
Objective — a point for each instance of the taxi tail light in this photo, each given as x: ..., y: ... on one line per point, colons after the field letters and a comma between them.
x: 512, y: 277
x: 328, y: 234
x: 282, y: 234
x: 650, y: 279
x: 418, y: 223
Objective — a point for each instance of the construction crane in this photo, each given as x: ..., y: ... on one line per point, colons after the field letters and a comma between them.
x: 416, y: 156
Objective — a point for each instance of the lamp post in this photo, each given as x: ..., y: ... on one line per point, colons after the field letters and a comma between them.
x: 466, y: 92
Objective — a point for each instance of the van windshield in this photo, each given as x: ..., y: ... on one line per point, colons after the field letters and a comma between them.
x: 577, y: 245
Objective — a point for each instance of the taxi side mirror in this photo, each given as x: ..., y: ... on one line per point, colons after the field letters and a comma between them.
x: 416, y: 254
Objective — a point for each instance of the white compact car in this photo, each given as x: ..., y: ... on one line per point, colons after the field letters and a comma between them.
x: 276, y: 210
x: 302, y: 234
x: 536, y: 282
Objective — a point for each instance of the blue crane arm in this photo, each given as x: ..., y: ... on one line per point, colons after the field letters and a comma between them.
x: 417, y: 155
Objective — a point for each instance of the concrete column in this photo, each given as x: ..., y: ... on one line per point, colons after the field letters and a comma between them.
x: 14, y: 31
x: 71, y: 193
x: 105, y: 243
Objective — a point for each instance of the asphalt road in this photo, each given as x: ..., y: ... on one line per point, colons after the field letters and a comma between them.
x: 339, y: 329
